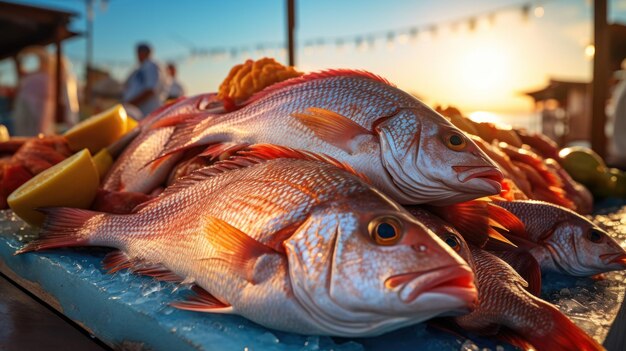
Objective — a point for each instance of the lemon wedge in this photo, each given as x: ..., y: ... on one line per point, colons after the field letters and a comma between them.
x: 131, y: 123
x: 4, y: 133
x: 103, y: 162
x: 99, y: 131
x: 70, y: 183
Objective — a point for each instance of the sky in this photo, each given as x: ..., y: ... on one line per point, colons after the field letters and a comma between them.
x: 486, y: 68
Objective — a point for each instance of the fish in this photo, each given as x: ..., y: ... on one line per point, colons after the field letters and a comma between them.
x: 293, y: 244
x: 563, y: 241
x: 410, y: 152
x: 129, y: 172
x: 505, y: 299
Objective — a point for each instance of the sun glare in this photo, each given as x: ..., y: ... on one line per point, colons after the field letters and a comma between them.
x: 484, y: 69
x: 484, y: 116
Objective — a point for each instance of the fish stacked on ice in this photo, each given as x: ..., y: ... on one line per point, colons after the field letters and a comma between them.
x: 326, y: 252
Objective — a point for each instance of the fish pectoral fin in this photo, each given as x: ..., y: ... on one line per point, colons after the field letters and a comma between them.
x: 332, y: 127
x: 239, y: 249
x: 203, y: 301
x: 501, y: 218
x: 117, y: 260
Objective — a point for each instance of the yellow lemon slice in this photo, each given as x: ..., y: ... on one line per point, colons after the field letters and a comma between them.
x: 4, y: 133
x: 131, y: 123
x: 98, y: 131
x: 70, y: 183
x: 103, y: 162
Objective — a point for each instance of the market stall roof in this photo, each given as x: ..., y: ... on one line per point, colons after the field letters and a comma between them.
x: 24, y: 25
x: 556, y: 89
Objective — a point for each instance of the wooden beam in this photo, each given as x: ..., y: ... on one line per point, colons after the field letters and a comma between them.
x: 58, y: 79
x: 291, y: 26
x: 599, y: 85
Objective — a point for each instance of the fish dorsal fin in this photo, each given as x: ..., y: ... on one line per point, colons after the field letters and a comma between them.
x: 249, y: 156
x: 271, y: 151
x: 472, y: 219
x: 203, y: 301
x: 330, y: 73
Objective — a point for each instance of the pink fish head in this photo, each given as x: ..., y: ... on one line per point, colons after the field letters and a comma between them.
x: 431, y: 161
x: 580, y: 248
x: 362, y: 269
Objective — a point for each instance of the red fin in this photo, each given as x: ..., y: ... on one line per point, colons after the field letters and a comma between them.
x: 237, y: 247
x: 564, y: 336
x: 214, y: 151
x: 472, y: 220
x: 507, y: 220
x: 116, y: 261
x: 514, y: 339
x: 526, y: 266
x: 203, y: 301
x: 270, y: 151
x: 156, y: 163
x: 184, y: 137
x: 332, y: 127
x: 61, y: 228
x: 156, y: 271
x: 331, y: 73
x: 175, y: 120
x: 520, y: 243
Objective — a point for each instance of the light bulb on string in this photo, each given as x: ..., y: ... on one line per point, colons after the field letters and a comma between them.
x: 391, y: 41
x: 539, y: 11
x: 403, y: 38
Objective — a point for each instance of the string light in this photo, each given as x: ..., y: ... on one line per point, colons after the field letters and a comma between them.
x: 365, y: 41
x: 590, y: 51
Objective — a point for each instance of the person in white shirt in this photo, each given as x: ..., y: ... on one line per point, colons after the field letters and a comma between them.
x: 175, y: 90
x: 146, y: 86
x: 33, y: 111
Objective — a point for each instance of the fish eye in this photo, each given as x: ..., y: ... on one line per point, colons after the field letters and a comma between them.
x: 455, y: 141
x: 385, y: 230
x: 595, y: 235
x: 453, y: 241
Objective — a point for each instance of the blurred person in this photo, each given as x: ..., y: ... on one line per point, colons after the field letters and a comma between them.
x: 145, y: 87
x: 175, y: 90
x: 69, y: 94
x: 33, y: 111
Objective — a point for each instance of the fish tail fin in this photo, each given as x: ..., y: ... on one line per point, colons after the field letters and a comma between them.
x: 61, y: 228
x: 564, y: 336
x: 472, y: 219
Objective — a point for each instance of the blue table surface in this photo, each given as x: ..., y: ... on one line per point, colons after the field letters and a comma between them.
x: 123, y: 308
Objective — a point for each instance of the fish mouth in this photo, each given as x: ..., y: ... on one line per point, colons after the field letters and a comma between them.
x: 490, y: 175
x: 457, y: 281
x: 618, y: 258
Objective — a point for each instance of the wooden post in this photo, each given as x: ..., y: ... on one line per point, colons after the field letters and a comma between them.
x: 58, y: 106
x: 599, y: 85
x: 89, y: 53
x: 291, y: 26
